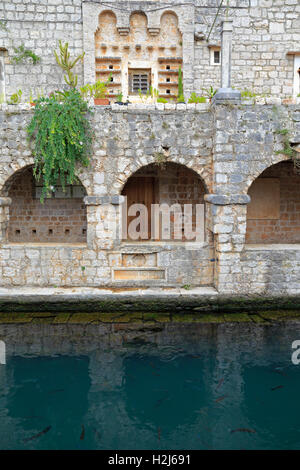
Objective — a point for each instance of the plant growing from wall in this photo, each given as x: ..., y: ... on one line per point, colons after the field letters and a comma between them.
x: 62, y: 138
x: 180, y: 98
x: 3, y: 25
x: 288, y: 150
x: 22, y: 54
x: 15, y: 97
x: 64, y: 61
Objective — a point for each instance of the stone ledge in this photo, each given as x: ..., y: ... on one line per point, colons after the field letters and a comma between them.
x: 194, y: 300
x: 5, y: 201
x: 101, y: 200
x: 223, y: 200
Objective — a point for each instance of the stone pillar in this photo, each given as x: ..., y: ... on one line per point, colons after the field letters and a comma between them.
x: 103, y: 221
x: 228, y: 224
x: 5, y: 202
x: 188, y: 61
x: 226, y: 93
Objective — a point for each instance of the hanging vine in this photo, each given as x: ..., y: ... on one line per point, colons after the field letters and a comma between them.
x: 62, y: 138
x: 61, y: 131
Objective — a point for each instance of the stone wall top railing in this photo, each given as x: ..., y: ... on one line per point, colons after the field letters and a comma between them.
x: 133, y: 107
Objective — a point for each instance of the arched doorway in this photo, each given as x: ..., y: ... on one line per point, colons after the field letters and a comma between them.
x: 60, y: 219
x: 171, y: 186
x: 273, y: 215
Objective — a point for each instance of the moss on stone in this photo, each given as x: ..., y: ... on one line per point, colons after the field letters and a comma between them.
x: 237, y: 317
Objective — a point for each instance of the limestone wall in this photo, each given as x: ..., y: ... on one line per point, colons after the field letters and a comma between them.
x: 265, y: 55
x: 228, y: 146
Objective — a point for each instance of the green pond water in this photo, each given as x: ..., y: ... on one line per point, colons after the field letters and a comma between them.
x: 176, y: 386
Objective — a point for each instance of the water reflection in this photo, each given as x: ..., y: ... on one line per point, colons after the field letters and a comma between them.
x: 134, y: 387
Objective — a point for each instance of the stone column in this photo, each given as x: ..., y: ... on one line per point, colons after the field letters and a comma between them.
x: 226, y: 93
x: 5, y: 202
x: 228, y: 224
x: 103, y: 221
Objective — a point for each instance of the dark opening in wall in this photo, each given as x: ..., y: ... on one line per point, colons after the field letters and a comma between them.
x: 31, y: 221
x: 169, y: 184
x: 273, y: 215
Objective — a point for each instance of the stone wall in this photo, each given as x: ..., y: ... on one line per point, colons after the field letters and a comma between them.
x: 265, y: 31
x: 227, y: 146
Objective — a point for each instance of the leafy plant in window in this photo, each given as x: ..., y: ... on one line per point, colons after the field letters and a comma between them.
x: 21, y: 54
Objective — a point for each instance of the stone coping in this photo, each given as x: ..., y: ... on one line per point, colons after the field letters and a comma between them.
x: 272, y: 247
x: 134, y: 299
x: 154, y: 107
x: 43, y: 245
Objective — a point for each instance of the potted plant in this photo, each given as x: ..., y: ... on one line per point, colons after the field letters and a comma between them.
x: 99, y: 92
x: 210, y: 93
x: 120, y: 98
x: 298, y: 98
x: 194, y: 98
x: 31, y: 99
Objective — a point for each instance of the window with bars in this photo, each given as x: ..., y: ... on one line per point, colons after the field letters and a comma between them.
x: 139, y: 80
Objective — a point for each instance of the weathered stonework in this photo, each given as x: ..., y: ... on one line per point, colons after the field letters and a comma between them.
x: 265, y: 55
x: 228, y: 146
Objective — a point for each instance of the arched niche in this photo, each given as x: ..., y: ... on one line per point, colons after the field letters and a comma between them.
x: 273, y: 215
x: 59, y: 219
x: 171, y: 184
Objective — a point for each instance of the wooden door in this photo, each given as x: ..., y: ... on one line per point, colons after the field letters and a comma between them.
x: 140, y: 190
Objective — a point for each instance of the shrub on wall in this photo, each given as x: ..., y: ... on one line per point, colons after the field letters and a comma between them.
x: 62, y: 138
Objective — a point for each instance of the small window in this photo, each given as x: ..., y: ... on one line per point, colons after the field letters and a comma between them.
x: 168, y: 92
x: 215, y: 57
x: 139, y: 80
x: 111, y: 67
x: 168, y: 67
x: 168, y: 80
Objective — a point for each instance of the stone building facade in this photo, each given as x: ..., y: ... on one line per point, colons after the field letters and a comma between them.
x: 218, y: 153
x: 142, y: 34
x: 228, y: 156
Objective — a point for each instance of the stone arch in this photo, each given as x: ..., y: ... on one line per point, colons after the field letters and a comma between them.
x: 134, y: 165
x: 171, y: 184
x: 17, y: 168
x: 107, y: 27
x: 273, y: 215
x: 260, y: 166
x: 138, y: 27
x: 61, y: 219
x: 169, y: 23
